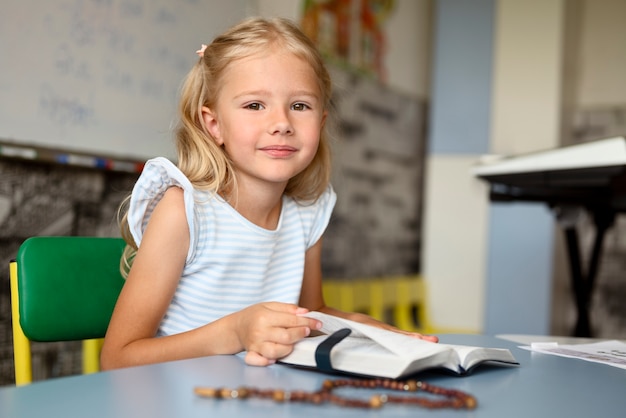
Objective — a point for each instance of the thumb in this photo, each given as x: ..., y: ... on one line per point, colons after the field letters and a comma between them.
x: 255, y: 359
x: 286, y: 307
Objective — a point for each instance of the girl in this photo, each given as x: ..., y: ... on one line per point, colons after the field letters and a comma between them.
x: 226, y: 246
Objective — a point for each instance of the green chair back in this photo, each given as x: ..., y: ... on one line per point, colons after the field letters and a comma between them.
x: 68, y: 286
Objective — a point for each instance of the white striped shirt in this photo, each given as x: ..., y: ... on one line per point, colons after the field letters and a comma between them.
x: 232, y: 263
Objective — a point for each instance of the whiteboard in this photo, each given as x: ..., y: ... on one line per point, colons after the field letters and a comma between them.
x: 101, y: 76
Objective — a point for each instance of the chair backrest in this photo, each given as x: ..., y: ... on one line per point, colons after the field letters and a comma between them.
x: 66, y: 287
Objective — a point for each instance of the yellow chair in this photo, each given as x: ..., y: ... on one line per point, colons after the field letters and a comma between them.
x: 63, y: 289
x: 399, y: 295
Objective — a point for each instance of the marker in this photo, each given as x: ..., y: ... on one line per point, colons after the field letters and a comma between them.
x: 27, y: 153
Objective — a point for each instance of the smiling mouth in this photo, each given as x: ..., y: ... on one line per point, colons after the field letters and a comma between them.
x: 279, y: 151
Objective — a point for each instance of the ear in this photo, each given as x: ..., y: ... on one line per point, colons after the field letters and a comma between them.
x: 212, y: 125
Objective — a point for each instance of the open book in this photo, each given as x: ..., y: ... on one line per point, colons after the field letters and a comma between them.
x: 351, y: 347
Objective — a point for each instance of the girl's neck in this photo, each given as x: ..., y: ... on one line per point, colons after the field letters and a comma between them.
x: 260, y: 206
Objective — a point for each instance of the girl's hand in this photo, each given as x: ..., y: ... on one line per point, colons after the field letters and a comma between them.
x: 431, y: 338
x: 268, y: 331
x: 365, y: 319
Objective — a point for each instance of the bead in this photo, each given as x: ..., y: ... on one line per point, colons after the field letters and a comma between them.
x: 206, y: 392
x: 279, y: 396
x: 224, y: 393
x: 376, y: 401
x: 410, y: 386
x: 470, y: 402
x: 440, y: 397
x: 297, y: 395
x: 243, y: 392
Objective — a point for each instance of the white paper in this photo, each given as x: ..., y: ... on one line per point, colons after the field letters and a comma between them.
x: 611, y: 352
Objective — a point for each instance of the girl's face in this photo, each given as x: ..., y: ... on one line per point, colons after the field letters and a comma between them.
x: 268, y: 117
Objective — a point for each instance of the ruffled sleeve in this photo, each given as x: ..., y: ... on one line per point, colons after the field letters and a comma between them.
x: 321, y: 211
x: 158, y: 175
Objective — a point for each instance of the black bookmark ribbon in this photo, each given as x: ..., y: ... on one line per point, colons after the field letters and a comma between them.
x: 322, y: 353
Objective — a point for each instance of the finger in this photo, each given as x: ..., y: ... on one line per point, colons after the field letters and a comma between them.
x: 253, y: 358
x: 273, y: 351
x: 278, y: 342
x: 287, y: 336
x: 288, y: 316
x: 302, y: 321
x: 431, y: 338
x: 286, y: 308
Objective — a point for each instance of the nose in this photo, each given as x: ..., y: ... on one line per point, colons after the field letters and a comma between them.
x: 280, y: 123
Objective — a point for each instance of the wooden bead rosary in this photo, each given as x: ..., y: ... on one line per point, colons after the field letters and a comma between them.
x: 451, y: 398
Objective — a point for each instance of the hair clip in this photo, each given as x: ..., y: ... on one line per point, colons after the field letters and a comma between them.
x: 200, y: 52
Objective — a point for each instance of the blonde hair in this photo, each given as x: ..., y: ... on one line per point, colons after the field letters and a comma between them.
x: 206, y: 165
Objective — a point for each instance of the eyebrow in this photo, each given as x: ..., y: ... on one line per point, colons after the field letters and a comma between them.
x: 306, y: 93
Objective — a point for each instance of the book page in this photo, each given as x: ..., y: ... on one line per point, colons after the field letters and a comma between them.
x: 611, y: 352
x: 469, y: 357
x: 353, y: 355
x: 400, y: 344
x: 331, y: 324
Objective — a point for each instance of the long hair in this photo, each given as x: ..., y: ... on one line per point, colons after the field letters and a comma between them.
x: 207, y: 165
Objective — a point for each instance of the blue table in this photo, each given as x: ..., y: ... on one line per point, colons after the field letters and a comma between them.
x: 542, y: 386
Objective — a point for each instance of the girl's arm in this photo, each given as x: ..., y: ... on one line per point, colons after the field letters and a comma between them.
x: 270, y: 329
x: 311, y: 296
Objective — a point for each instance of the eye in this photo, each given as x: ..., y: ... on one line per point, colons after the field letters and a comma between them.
x: 254, y: 106
x: 300, y: 106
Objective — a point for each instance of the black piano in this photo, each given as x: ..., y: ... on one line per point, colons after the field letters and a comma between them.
x: 590, y: 176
